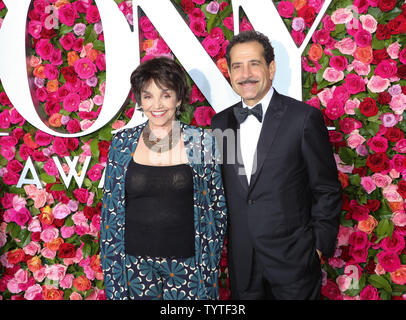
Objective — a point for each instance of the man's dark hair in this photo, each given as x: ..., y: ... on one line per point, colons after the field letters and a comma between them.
x: 166, y: 73
x: 249, y: 36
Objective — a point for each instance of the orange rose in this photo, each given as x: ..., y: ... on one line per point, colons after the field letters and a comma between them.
x: 92, y: 54
x: 147, y: 44
x: 72, y: 57
x: 52, y: 85
x: 396, y: 206
x: 315, y: 52
x: 29, y: 141
x: 343, y: 178
x: 55, y: 120
x: 82, y: 283
x: 46, y: 216
x: 34, y: 264
x: 299, y: 4
x: 222, y: 65
x: 368, y: 225
x: 95, y: 263
x: 54, y: 244
x: 51, y: 293
x: 61, y: 3
x: 364, y: 54
x: 15, y: 256
x: 399, y: 275
x: 39, y: 72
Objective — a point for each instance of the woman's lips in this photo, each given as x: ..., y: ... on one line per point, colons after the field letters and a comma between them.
x: 158, y: 114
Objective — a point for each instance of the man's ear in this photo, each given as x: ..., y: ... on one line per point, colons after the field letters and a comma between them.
x: 272, y: 69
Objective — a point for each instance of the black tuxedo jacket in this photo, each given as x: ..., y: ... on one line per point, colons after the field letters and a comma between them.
x: 292, y: 205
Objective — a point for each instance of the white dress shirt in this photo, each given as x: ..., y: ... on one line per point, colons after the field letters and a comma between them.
x: 250, y: 130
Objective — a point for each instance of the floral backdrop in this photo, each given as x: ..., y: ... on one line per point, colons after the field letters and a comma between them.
x: 354, y: 71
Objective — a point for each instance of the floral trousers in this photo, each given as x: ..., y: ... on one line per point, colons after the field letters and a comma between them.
x: 152, y: 278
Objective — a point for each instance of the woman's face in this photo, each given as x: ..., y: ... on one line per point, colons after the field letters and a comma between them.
x: 159, y: 105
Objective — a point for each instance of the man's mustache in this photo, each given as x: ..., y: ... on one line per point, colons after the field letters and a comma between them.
x: 247, y: 81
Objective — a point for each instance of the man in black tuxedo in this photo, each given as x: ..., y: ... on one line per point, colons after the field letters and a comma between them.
x: 284, y: 198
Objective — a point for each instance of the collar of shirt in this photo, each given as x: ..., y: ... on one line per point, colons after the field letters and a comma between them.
x: 264, y: 101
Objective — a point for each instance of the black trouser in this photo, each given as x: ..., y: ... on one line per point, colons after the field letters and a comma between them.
x: 259, y: 288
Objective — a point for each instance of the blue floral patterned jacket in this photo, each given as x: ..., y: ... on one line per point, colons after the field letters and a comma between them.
x: 209, y: 211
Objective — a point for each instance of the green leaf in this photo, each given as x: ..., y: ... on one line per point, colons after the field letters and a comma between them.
x: 355, y: 179
x: 58, y: 187
x: 384, y: 228
x: 87, y: 239
x: 87, y: 248
x: 98, y: 45
x: 94, y: 147
x: 47, y: 178
x: 347, y: 155
x: 380, y: 282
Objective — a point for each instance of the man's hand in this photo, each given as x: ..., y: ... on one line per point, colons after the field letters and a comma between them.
x: 319, y: 253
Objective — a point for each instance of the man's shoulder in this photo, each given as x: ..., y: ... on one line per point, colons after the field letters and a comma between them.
x: 220, y: 117
x: 296, y: 106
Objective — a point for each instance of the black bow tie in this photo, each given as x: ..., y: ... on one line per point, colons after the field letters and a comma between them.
x: 242, y: 113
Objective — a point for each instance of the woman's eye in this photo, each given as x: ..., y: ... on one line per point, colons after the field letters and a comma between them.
x: 146, y: 97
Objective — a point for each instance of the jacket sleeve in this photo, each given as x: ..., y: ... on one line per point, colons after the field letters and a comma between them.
x: 324, y: 184
x: 112, y: 229
x: 217, y: 219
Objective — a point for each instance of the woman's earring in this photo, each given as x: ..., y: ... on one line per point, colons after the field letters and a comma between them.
x: 178, y: 113
x: 139, y: 108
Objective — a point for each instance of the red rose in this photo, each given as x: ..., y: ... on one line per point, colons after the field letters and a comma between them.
x: 331, y: 291
x: 378, y: 162
x: 60, y: 147
x: 373, y: 204
x: 402, y: 71
x: 402, y: 188
x: 15, y: 256
x: 308, y: 13
x: 368, y: 107
x: 386, y: 5
x: 384, y: 98
x: 379, y: 55
x: 4, y: 100
x: 69, y: 74
x: 72, y: 143
x: 187, y: 5
x: 382, y: 32
x: 52, y: 107
x: 362, y: 171
x: 394, y: 134
x: 357, y: 211
x: 67, y: 250
x: 89, y: 212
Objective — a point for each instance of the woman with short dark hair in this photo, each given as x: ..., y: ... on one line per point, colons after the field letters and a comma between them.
x: 163, y: 214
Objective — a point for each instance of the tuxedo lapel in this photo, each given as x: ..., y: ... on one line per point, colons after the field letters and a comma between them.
x: 269, y: 129
x: 237, y: 165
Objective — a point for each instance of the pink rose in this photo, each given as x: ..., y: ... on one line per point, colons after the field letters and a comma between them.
x: 378, y: 84
x: 378, y: 144
x: 368, y: 23
x: 393, y: 50
x: 298, y: 24
x: 211, y: 45
x: 402, y: 56
x: 67, y: 41
x: 399, y: 219
x: 359, y: 255
x: 49, y: 254
x: 67, y: 281
x: 44, y: 49
x: 60, y: 211
x: 347, y: 125
x: 333, y: 75
x: 388, y: 260
x: 81, y: 194
x: 203, y: 115
x: 398, y: 104
x: 381, y: 180
x: 92, y: 14
x: 368, y: 184
x: 85, y: 68
x: 363, y: 38
x: 360, y: 68
x: 22, y: 216
x: 354, y: 83
x: 369, y: 293
x: 32, y: 248
x: 389, y: 120
x: 51, y: 71
x: 346, y: 46
x: 339, y: 63
x: 351, y: 105
x: 355, y: 139
x: 358, y: 240
x: 286, y: 9
x: 196, y: 95
x: 213, y: 7
x: 67, y: 232
x: 400, y: 146
x: 60, y: 147
x: 49, y: 234
x: 391, y: 194
x: 198, y: 27
x: 399, y: 275
x: 33, y: 293
x: 67, y: 14
x: 386, y: 69
x: 342, y: 16
x: 55, y: 272
x: 95, y: 172
x: 394, y: 244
